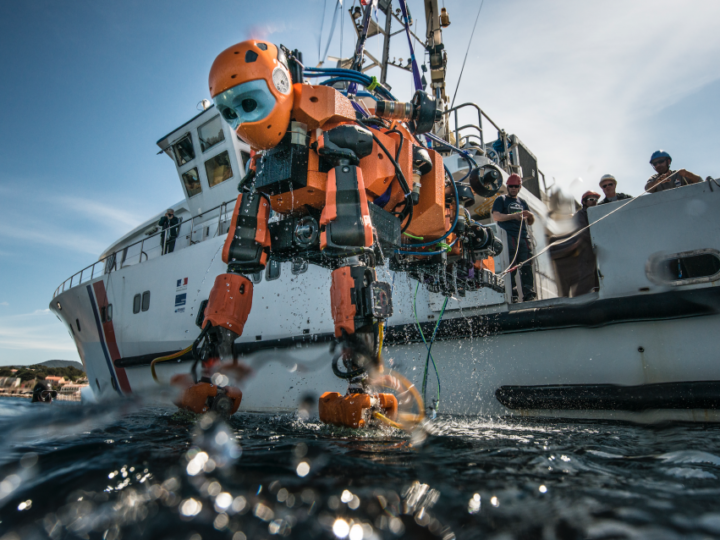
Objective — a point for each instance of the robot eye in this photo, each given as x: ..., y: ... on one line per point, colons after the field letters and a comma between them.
x: 249, y: 105
x: 228, y: 114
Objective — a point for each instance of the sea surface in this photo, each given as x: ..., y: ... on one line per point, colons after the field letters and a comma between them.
x: 129, y: 470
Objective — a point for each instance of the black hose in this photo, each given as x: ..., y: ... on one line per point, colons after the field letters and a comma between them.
x: 400, y: 176
x: 196, y: 353
x: 345, y: 374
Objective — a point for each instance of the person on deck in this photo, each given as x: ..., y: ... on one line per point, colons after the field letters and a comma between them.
x: 169, y: 221
x: 608, y: 185
x: 573, y: 256
x: 513, y: 215
x: 664, y: 178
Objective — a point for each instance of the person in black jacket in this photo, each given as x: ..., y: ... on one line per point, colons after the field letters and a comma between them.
x: 513, y: 215
x: 608, y: 185
x: 169, y: 221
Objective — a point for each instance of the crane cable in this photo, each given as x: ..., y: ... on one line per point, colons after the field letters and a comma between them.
x: 466, y: 53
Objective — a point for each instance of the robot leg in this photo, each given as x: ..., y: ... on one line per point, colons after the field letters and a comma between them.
x: 358, y: 301
x: 246, y: 250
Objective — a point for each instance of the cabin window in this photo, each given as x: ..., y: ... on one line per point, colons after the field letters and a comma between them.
x: 272, y: 271
x: 183, y: 150
x: 146, y: 301
x: 136, y: 304
x: 245, y: 156
x: 211, y: 133
x: 218, y: 169
x: 191, y: 180
x: 106, y: 313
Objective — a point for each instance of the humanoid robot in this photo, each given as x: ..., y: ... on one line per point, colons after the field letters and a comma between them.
x: 346, y: 186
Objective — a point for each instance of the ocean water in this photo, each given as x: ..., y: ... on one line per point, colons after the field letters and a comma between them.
x: 128, y: 470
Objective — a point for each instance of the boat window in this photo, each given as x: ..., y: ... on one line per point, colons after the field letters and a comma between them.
x: 183, y: 150
x: 77, y: 321
x: 106, y: 313
x: 245, y: 156
x: 693, y: 266
x: 272, y: 271
x: 191, y: 180
x: 136, y: 304
x: 211, y: 133
x: 109, y: 312
x: 146, y: 301
x: 218, y: 169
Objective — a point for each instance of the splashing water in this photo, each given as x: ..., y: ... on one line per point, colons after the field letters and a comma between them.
x: 127, y: 470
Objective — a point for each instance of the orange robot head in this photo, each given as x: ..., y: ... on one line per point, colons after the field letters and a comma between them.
x: 251, y: 87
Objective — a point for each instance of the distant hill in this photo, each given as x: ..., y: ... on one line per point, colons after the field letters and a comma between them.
x: 62, y: 363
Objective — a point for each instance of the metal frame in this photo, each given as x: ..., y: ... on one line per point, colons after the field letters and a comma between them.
x: 70, y: 282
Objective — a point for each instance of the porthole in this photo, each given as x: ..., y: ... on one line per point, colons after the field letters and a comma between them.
x: 136, y: 303
x: 688, y: 267
x: 146, y: 300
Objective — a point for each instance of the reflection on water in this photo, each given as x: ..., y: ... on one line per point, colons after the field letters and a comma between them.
x: 132, y: 471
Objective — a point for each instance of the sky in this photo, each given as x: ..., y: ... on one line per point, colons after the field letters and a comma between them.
x: 88, y: 87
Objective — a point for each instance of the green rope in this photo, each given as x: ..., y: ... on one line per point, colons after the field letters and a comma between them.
x: 428, y: 347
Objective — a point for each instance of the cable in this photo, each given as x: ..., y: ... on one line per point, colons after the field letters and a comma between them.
x: 452, y: 228
x: 165, y: 359
x: 466, y: 54
x: 429, y: 356
x: 517, y: 249
x: 557, y: 242
x: 422, y: 335
x: 398, y: 173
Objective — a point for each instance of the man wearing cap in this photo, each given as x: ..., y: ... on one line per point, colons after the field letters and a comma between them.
x: 513, y: 215
x: 664, y: 178
x: 169, y: 221
x: 608, y: 185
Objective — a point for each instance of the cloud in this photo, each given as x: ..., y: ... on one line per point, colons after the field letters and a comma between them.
x: 112, y: 216
x: 34, y: 337
x: 578, y: 82
x: 4, y: 303
x: 83, y: 243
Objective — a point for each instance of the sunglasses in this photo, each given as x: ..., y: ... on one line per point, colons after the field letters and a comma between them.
x: 658, y: 162
x: 591, y: 199
x: 513, y: 187
x: 605, y: 186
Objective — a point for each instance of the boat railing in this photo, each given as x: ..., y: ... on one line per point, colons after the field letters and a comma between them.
x: 465, y: 133
x: 155, y: 245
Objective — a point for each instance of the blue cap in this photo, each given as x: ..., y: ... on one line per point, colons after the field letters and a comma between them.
x: 657, y: 154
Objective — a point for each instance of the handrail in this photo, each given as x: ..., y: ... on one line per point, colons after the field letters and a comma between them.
x: 223, y: 212
x: 481, y: 114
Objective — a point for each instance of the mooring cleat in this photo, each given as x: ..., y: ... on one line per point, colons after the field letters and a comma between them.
x: 204, y: 396
x: 356, y: 410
